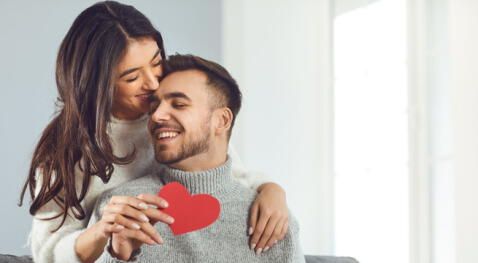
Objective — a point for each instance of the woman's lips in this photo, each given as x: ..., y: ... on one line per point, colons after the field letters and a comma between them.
x: 144, y: 97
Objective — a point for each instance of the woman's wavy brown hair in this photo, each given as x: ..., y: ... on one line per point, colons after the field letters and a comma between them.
x: 77, y: 135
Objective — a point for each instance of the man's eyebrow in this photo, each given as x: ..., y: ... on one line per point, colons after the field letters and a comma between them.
x: 134, y: 69
x: 176, y: 95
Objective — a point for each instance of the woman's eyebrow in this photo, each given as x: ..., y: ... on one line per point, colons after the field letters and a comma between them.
x: 155, y: 55
x: 128, y: 71
x: 134, y: 69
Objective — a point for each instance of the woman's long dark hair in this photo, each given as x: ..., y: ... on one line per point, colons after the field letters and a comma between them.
x: 77, y: 135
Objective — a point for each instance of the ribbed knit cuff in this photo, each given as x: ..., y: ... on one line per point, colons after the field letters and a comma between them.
x: 65, y: 248
x: 109, y: 258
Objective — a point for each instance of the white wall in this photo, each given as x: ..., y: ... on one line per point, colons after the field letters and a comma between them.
x: 31, y: 32
x: 464, y: 67
x: 280, y: 53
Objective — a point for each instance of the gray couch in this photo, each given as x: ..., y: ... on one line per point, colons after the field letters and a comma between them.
x: 329, y: 259
x: 308, y: 259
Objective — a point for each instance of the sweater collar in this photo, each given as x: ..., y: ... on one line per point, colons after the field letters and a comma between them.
x: 205, y: 182
x: 127, y: 127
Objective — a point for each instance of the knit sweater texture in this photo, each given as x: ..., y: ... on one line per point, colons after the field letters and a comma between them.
x: 226, y: 240
x: 48, y: 247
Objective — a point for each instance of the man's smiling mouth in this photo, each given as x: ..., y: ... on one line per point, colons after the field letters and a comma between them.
x: 169, y: 134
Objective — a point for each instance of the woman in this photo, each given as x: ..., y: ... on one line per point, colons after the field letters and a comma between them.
x: 108, y: 65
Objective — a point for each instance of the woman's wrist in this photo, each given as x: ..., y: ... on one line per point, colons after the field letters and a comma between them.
x: 270, y: 186
x: 90, y: 243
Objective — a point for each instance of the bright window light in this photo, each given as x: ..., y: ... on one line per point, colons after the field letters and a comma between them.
x: 371, y: 133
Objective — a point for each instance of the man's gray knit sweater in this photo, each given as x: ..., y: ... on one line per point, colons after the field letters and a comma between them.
x: 226, y: 240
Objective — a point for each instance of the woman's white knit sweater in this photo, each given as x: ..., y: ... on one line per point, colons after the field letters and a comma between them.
x: 59, y: 246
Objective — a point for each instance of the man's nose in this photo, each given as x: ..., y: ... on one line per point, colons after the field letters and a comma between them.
x: 161, y: 114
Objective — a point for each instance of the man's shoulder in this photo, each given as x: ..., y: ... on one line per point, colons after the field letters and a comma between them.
x: 240, y: 193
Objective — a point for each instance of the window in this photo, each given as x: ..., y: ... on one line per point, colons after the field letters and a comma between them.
x: 371, y: 131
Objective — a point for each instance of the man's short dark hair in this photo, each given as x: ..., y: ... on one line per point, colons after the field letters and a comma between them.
x: 225, y: 89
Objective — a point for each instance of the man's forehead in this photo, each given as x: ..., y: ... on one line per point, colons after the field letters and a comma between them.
x: 189, y: 82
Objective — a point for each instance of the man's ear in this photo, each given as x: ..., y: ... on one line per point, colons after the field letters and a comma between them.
x: 223, y: 120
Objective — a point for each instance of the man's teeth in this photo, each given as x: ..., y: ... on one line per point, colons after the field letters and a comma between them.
x: 167, y: 135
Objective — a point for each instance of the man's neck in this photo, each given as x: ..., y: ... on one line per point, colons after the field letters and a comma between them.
x: 204, y: 161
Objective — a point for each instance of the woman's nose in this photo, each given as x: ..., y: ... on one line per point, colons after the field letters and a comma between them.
x: 151, y: 81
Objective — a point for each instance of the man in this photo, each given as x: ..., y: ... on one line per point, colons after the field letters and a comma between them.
x: 192, y: 115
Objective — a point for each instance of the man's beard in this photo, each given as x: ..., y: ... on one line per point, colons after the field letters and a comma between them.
x: 187, y: 149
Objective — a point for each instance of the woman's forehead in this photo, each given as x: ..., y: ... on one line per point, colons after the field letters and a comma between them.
x: 139, y: 52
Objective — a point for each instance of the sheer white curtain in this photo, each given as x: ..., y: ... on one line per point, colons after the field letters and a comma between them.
x: 463, y: 26
x: 432, y: 175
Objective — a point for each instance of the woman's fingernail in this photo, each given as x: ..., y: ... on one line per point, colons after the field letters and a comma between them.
x: 143, y: 206
x: 119, y: 227
x: 135, y: 226
x: 170, y: 220
x: 164, y: 203
x: 144, y: 218
x: 253, y: 246
x: 250, y: 231
x: 153, y: 206
x: 160, y: 240
x: 266, y: 248
x: 259, y: 251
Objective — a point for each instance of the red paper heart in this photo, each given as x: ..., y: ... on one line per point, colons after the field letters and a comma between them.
x: 190, y: 212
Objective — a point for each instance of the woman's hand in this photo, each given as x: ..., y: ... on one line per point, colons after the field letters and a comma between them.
x: 124, y: 242
x: 269, y: 218
x: 130, y: 213
x: 154, y: 202
x: 121, y: 213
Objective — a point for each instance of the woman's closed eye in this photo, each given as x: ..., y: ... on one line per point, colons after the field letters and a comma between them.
x: 135, y: 78
x: 132, y: 79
